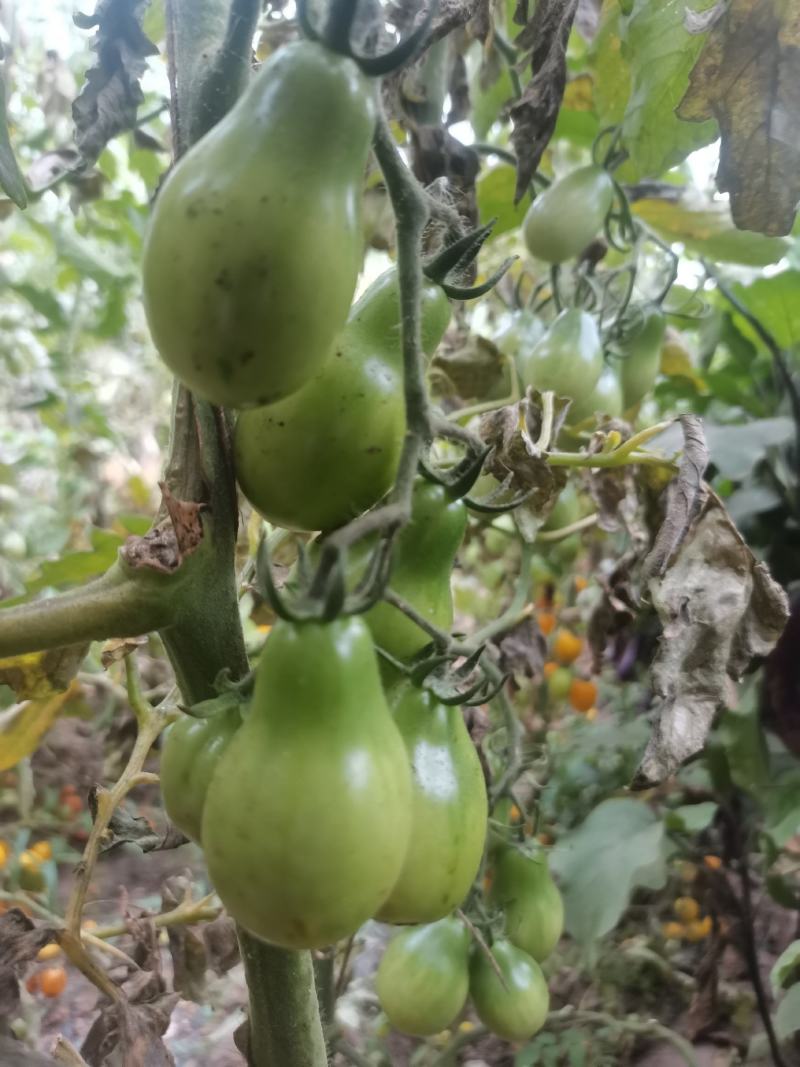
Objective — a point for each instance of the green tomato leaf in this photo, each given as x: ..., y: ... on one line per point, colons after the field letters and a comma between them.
x: 661, y: 54
x: 620, y: 846
x: 11, y: 179
x: 612, y: 73
x: 781, y: 803
x: 787, y: 1017
x: 692, y: 818
x: 785, y: 966
x: 496, y: 199
x: 742, y: 741
x: 774, y: 302
x: 736, y: 449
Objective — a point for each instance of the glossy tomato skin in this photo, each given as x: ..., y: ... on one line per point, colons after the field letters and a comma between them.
x: 423, y: 977
x: 568, y: 215
x: 255, y: 242
x: 321, y: 456
x: 568, y: 359
x: 422, y: 560
x: 307, y: 818
x: 518, y: 1011
x: 534, y: 911
x: 604, y: 399
x: 449, y: 810
x: 641, y: 357
x: 192, y: 748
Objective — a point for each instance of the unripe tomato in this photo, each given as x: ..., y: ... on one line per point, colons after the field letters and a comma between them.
x: 52, y: 981
x: 423, y: 978
x: 604, y: 399
x: 534, y: 910
x: 255, y: 243
x: 307, y: 818
x: 558, y: 684
x: 449, y: 809
x: 567, y: 216
x: 192, y: 749
x: 423, y: 557
x: 31, y: 877
x: 520, y: 335
x: 517, y: 1010
x: 582, y: 694
x: 567, y: 360
x: 321, y: 456
x: 641, y: 356
x: 566, y: 646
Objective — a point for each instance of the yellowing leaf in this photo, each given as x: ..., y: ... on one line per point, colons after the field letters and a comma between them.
x: 579, y: 94
x: 748, y: 78
x: 38, y: 675
x: 29, y: 723
x: 706, y: 227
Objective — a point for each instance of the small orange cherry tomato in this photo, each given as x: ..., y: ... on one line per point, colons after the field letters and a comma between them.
x: 582, y: 694
x: 49, y: 952
x: 712, y: 862
x: 32, y: 982
x: 546, y: 621
x: 698, y: 930
x: 53, y: 981
x: 672, y: 931
x: 581, y: 583
x: 549, y: 668
x: 686, y: 908
x: 566, y: 646
x: 5, y: 852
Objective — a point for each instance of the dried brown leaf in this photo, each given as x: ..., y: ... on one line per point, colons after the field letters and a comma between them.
x: 523, y: 650
x: 534, y: 114
x: 719, y: 609
x: 747, y: 77
x: 117, y: 649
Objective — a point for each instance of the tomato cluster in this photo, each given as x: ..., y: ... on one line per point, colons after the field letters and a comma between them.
x: 427, y: 972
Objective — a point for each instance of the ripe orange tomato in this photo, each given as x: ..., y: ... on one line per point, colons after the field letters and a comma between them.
x: 582, y: 694
x: 549, y: 668
x: 546, y: 621
x: 686, y: 908
x: 566, y: 646
x: 53, y: 981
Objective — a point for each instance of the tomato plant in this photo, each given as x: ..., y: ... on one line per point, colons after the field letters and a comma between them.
x: 531, y: 902
x: 563, y: 219
x: 514, y: 1003
x: 568, y: 359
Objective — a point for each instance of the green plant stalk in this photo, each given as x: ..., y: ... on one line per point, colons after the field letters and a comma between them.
x: 284, y: 1017
x: 114, y: 605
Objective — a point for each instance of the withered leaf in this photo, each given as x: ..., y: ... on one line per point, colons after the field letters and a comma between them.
x: 615, y: 610
x: 118, y: 648
x: 131, y: 1033
x: 111, y: 94
x: 38, y: 675
x: 685, y: 497
x: 534, y: 114
x: 20, y: 940
x: 523, y: 650
x: 473, y: 366
x: 719, y: 609
x: 518, y: 458
x: 748, y: 78
x: 186, y: 946
x: 127, y: 829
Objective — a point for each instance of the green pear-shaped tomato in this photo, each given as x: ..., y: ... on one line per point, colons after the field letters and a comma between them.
x: 568, y: 359
x: 604, y: 399
x: 523, y: 886
x: 641, y: 356
x: 423, y: 978
x: 307, y: 817
x: 192, y: 748
x: 517, y: 1011
x: 567, y: 216
x: 448, y: 814
x: 423, y: 557
x: 521, y: 333
x: 321, y: 456
x: 255, y: 242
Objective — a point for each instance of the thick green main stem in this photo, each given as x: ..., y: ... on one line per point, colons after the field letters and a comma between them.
x: 209, y: 60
